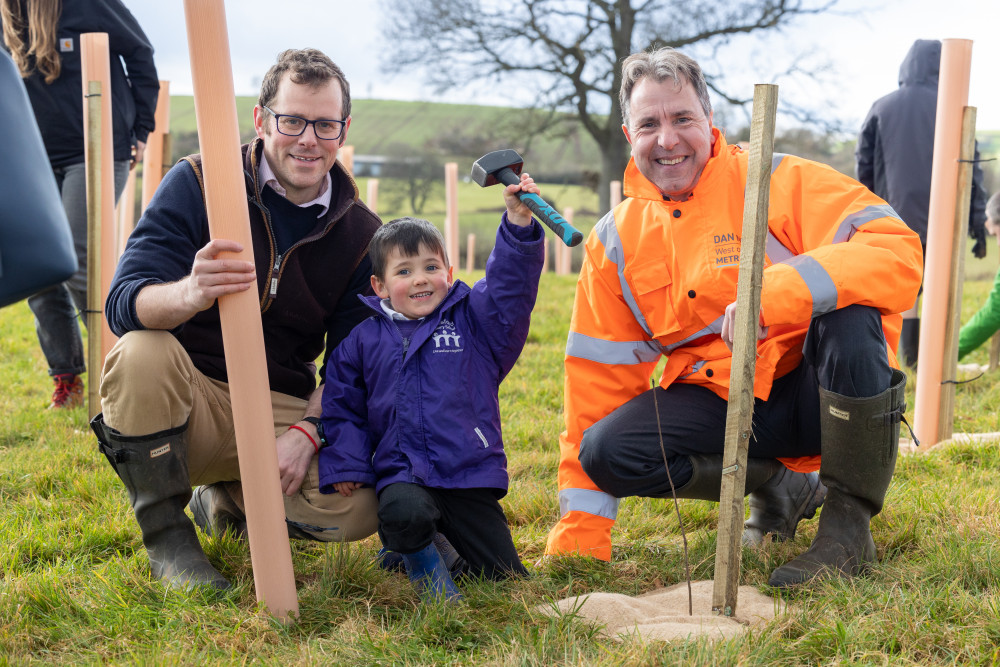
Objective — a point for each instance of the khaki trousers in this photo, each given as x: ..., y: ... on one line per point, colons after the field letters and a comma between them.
x: 150, y: 385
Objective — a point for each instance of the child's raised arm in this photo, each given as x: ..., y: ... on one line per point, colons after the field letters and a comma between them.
x: 517, y: 213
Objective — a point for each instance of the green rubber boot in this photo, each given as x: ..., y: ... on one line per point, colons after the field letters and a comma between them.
x: 860, y: 444
x: 154, y: 470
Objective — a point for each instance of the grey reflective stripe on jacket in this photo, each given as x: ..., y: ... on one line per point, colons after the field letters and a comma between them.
x: 597, y: 503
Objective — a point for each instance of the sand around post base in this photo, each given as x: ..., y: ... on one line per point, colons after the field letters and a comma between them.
x: 662, y: 615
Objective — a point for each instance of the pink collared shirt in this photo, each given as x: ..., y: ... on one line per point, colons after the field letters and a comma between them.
x: 267, y: 178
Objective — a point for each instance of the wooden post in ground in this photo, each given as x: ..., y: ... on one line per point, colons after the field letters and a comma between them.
x: 346, y: 157
x: 953, y: 95
x: 470, y: 253
x: 451, y: 210
x: 125, y: 215
x: 994, y: 352
x: 372, y: 199
x: 616, y: 193
x: 739, y: 416
x: 92, y: 148
x: 156, y: 155
x: 564, y: 253
x: 242, y: 335
x: 545, y: 248
x: 957, y: 277
x: 95, y: 65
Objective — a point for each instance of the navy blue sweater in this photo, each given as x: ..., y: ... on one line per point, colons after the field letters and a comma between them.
x: 308, y: 292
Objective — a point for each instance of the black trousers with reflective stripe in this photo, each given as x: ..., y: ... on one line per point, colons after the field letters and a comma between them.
x: 844, y: 352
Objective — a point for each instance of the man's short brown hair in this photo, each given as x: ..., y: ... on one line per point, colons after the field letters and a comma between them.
x: 310, y: 67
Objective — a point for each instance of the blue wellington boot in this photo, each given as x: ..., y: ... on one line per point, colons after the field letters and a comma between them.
x: 430, y: 576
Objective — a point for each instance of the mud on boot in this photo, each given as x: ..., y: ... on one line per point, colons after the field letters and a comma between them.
x: 860, y: 438
x: 155, y: 473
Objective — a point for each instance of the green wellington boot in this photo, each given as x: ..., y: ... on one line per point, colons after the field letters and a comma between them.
x: 154, y: 470
x: 860, y: 443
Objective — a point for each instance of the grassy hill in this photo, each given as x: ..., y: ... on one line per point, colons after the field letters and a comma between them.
x: 379, y: 124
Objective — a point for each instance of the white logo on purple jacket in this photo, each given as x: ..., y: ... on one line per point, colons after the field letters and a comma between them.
x: 446, y: 338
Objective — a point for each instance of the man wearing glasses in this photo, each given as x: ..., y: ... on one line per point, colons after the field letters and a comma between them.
x: 167, y: 420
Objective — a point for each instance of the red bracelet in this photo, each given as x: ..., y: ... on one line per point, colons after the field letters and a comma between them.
x: 299, y: 428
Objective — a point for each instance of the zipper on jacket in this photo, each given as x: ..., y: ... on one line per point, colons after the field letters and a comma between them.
x: 275, y: 272
x: 482, y: 437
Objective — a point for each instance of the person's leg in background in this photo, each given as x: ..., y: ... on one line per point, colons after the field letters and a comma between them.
x: 57, y: 308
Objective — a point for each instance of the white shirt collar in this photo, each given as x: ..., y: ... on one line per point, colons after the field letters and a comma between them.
x: 387, y: 308
x: 267, y: 178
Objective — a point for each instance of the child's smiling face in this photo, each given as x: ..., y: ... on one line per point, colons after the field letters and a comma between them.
x: 416, y: 284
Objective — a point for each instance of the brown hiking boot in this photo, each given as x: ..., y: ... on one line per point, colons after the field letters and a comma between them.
x: 68, y: 392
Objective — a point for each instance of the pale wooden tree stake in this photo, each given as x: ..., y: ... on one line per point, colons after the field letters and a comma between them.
x: 545, y: 257
x: 470, y: 253
x: 739, y: 417
x: 451, y: 210
x: 92, y: 159
x: 564, y: 253
x: 125, y: 215
x: 994, y: 352
x: 616, y: 193
x: 156, y: 154
x: 346, y: 157
x: 96, y: 66
x: 243, y: 338
x: 372, y: 198
x: 953, y: 95
x: 954, y: 323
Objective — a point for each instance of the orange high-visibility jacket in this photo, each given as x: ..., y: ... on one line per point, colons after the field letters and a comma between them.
x: 656, y: 279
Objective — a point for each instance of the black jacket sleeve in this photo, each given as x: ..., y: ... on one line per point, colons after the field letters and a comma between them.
x: 127, y: 40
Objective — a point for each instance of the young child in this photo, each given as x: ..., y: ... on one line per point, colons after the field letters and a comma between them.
x: 411, y: 402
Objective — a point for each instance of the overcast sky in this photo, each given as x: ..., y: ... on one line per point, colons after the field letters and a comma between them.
x: 866, y: 48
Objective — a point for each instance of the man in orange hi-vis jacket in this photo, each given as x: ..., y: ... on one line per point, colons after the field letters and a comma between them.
x: 659, y: 279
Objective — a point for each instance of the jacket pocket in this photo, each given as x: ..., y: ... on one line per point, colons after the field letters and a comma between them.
x: 651, y: 283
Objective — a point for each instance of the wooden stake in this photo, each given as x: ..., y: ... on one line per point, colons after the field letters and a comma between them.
x: 92, y: 159
x: 739, y: 417
x: 616, y: 193
x: 372, y: 198
x: 994, y: 352
x: 125, y: 215
x: 953, y: 95
x: 156, y: 154
x: 545, y: 260
x: 243, y: 338
x: 470, y: 253
x: 451, y: 210
x: 96, y: 66
x: 957, y: 278
x: 564, y: 253
x: 346, y: 157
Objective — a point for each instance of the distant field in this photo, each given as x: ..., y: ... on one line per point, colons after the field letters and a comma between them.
x: 377, y: 124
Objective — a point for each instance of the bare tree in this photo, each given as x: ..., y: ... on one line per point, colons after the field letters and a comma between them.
x: 570, y: 51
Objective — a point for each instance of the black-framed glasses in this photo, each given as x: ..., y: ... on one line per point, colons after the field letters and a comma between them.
x: 293, y: 126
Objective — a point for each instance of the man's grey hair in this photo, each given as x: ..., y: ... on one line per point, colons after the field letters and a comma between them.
x: 993, y: 207
x: 660, y: 64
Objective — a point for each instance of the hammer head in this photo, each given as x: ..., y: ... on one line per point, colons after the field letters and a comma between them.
x: 484, y: 170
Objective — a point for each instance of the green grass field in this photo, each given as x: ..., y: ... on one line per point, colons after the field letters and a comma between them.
x: 75, y: 588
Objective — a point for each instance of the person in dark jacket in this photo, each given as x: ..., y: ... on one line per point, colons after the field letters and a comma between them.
x: 894, y: 155
x: 167, y: 423
x: 43, y: 37
x: 411, y: 405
